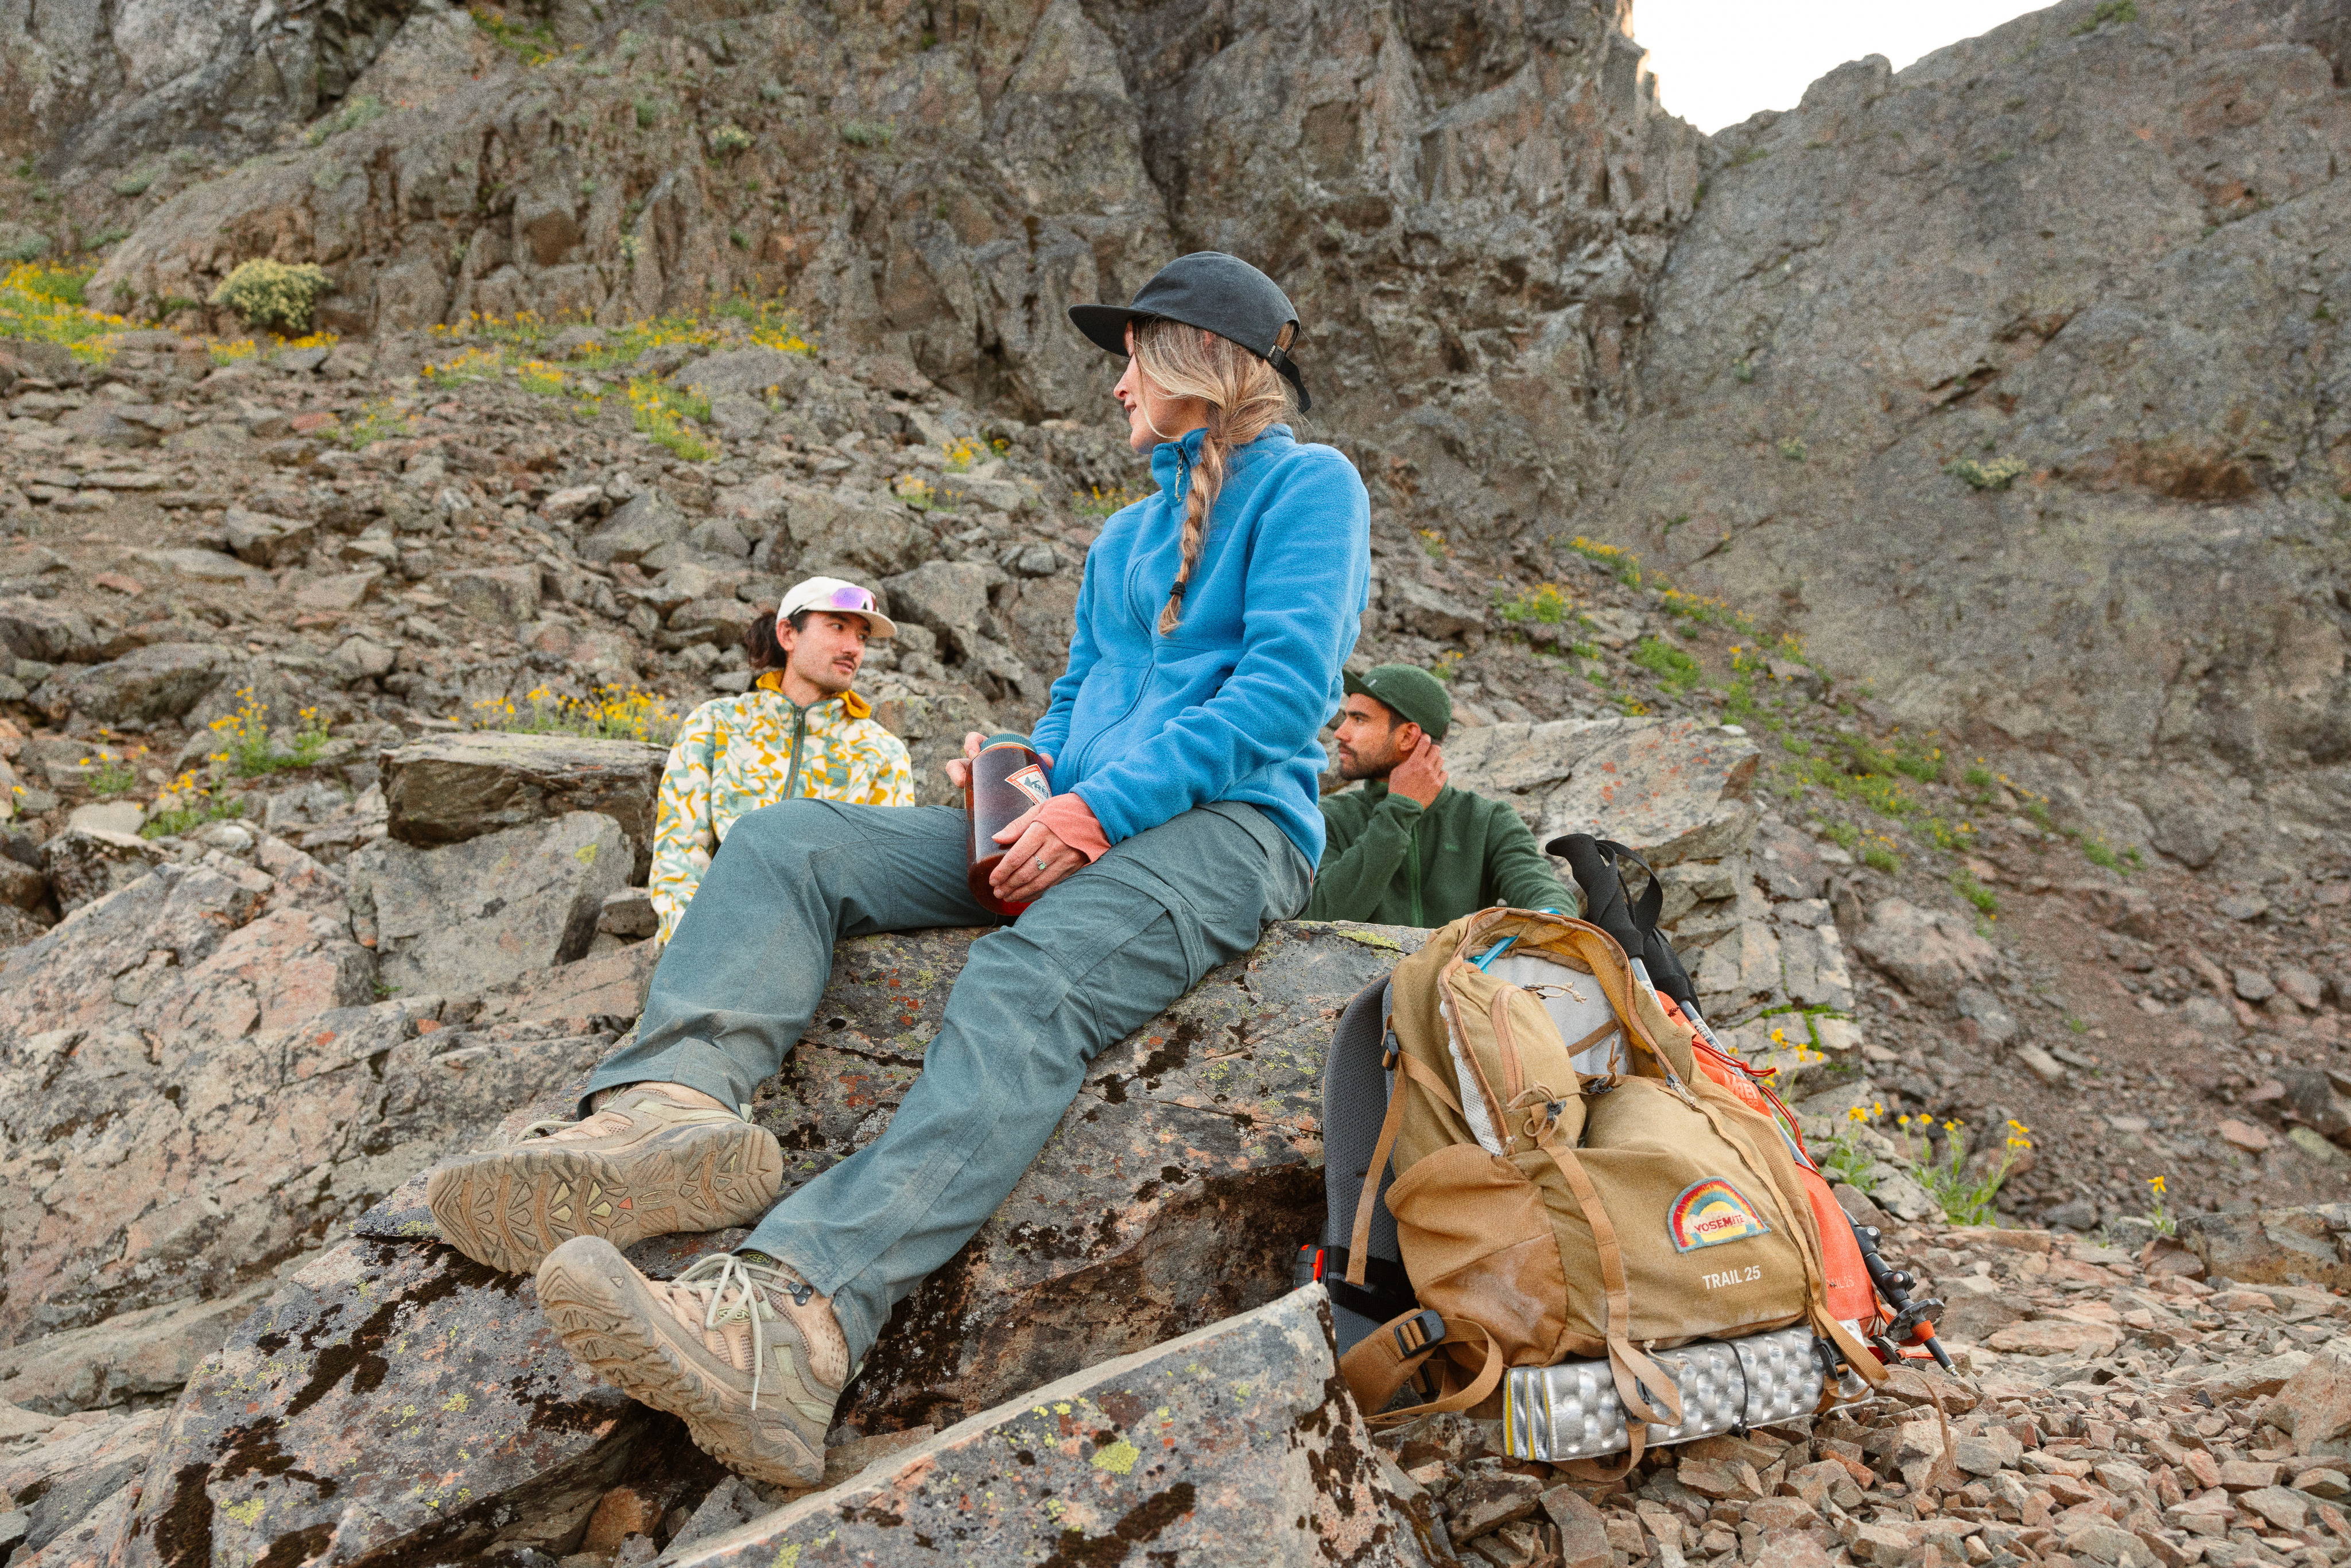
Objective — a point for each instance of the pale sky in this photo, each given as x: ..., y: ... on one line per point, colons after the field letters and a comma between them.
x: 1719, y: 61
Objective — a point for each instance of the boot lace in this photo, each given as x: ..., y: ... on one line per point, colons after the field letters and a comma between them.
x: 750, y: 1280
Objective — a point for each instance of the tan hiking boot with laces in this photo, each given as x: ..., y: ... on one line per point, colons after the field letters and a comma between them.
x: 645, y: 1164
x: 740, y: 1349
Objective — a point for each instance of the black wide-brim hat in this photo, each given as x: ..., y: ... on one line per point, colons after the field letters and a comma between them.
x: 1218, y: 293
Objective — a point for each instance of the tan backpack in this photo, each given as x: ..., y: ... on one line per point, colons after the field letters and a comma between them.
x: 1549, y: 1213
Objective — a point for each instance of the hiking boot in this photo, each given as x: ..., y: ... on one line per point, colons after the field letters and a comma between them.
x: 643, y: 1166
x: 740, y: 1349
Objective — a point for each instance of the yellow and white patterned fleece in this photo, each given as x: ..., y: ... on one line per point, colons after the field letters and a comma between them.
x: 738, y: 754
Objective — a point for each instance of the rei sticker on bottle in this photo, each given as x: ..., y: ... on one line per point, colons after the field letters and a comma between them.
x: 1709, y: 1213
x: 1030, y: 781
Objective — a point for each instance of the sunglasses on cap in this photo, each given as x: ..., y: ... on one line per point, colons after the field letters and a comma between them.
x: 847, y: 598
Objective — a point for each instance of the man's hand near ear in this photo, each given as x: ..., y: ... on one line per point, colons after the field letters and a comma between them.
x: 1420, y: 776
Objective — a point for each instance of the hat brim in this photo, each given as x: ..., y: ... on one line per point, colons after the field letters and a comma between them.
x: 877, y: 625
x: 1105, y: 327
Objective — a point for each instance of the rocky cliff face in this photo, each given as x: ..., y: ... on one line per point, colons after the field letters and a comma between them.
x: 1469, y: 202
x: 2013, y: 382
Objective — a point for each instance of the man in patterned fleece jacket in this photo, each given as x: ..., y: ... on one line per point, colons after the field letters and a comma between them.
x: 799, y: 732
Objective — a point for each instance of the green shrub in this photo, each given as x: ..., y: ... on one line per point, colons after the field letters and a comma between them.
x: 1794, y: 450
x: 1881, y: 857
x: 2106, y: 11
x: 137, y: 182
x: 1675, y: 670
x: 355, y: 113
x: 1542, y: 602
x: 1997, y: 475
x: 867, y: 133
x: 648, y: 114
x: 1618, y: 563
x: 729, y: 138
x: 1986, y: 901
x: 32, y: 247
x: 273, y: 295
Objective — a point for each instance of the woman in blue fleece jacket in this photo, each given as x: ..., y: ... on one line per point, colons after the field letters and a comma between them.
x: 1209, y: 634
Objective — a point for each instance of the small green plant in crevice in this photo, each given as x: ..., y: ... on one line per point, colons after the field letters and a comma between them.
x: 867, y: 133
x: 1997, y: 475
x: 377, y: 422
x: 531, y: 45
x: 1745, y: 371
x: 251, y: 751
x: 2079, y: 1025
x: 1966, y: 1197
x: 1098, y: 503
x: 1845, y: 1157
x: 661, y: 411
x: 1618, y: 563
x: 364, y: 110
x: 1752, y: 155
x: 2106, y: 11
x: 730, y: 140
x: 1964, y: 883
x: 114, y: 773
x: 138, y: 182
x: 921, y: 493
x: 1432, y: 544
x: 648, y: 113
x: 2159, y: 1215
x: 273, y: 294
x: 611, y: 712
x: 187, y: 804
x: 1878, y: 855
x: 1794, y: 450
x: 1675, y: 670
x: 1544, y: 602
x: 1979, y: 779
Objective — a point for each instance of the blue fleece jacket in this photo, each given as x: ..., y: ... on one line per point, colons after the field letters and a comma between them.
x: 1226, y: 707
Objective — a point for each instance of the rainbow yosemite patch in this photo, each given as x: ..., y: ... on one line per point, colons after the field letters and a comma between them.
x: 1709, y: 1213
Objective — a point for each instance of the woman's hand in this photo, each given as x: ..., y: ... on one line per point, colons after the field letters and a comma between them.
x: 1035, y: 862
x: 960, y: 768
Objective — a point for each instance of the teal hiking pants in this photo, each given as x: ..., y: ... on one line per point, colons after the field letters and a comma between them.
x: 1097, y: 957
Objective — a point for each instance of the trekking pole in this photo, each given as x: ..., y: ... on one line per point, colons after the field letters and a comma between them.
x: 1895, y: 1286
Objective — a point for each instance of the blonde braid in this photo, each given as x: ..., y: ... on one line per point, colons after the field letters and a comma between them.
x: 1246, y: 397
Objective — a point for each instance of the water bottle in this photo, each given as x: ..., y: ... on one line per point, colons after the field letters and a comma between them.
x: 1007, y: 779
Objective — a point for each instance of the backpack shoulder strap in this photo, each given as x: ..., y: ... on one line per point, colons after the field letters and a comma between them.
x: 1359, y: 1235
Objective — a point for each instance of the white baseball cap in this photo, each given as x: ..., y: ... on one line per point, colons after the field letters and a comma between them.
x: 841, y: 598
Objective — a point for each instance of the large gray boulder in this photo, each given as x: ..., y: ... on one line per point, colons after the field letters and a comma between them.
x: 408, y: 1398
x: 445, y: 790
x: 1981, y: 386
x: 1932, y: 953
x: 163, y: 681
x: 747, y: 373
x: 647, y: 522
x: 1672, y: 790
x: 1173, y: 1194
x: 948, y: 597
x: 1236, y: 1443
x: 456, y: 920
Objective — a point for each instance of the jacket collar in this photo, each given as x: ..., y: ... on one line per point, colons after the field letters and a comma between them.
x: 1172, y: 460
x: 1377, y: 789
x: 852, y: 704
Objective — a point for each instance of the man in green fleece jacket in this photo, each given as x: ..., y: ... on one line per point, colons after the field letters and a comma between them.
x: 1408, y: 848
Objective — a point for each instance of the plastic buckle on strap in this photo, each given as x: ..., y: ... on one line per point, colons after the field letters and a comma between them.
x: 1421, y: 1331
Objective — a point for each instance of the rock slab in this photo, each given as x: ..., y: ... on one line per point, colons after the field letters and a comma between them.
x: 2266, y: 1247
x: 1237, y: 1443
x: 461, y: 918
x: 389, y: 1395
x: 448, y: 789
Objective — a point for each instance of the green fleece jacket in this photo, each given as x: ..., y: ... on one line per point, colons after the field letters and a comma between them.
x: 1390, y: 861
